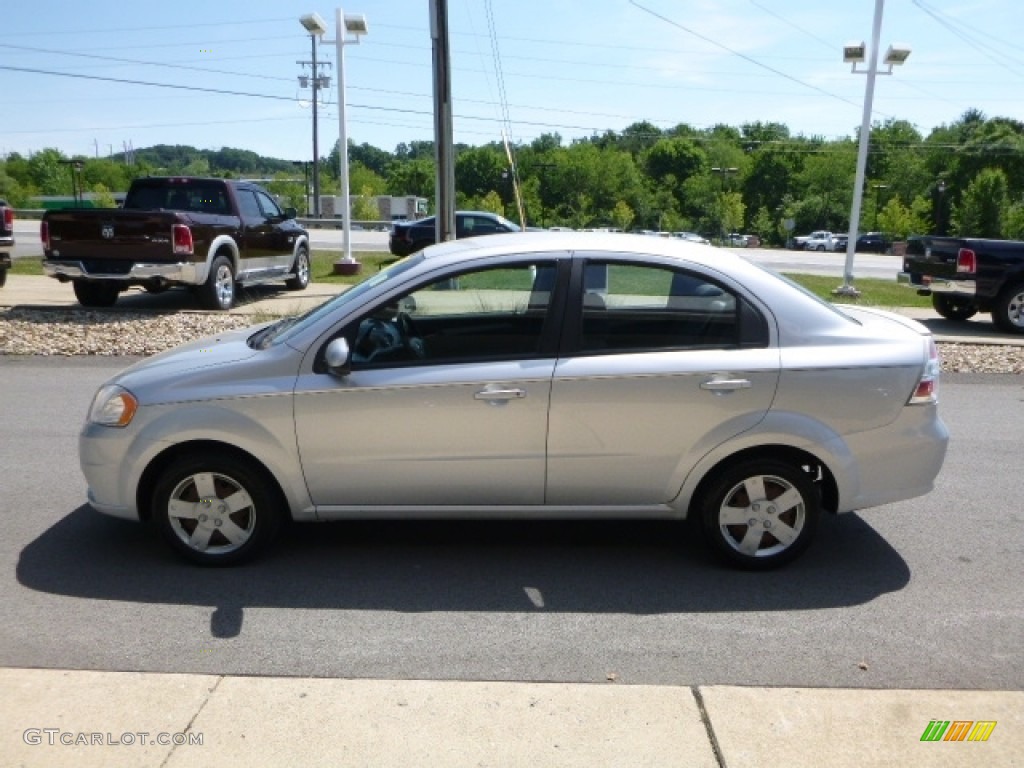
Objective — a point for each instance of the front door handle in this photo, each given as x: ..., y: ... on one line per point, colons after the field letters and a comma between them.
x: 500, y: 394
x: 725, y: 385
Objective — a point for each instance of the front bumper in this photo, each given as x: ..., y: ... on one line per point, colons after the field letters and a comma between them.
x: 185, y: 273
x: 937, y: 284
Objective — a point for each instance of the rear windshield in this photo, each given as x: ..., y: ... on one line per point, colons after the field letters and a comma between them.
x: 198, y: 196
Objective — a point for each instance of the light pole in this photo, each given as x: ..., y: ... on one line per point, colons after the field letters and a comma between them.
x: 313, y: 24
x: 877, y: 187
x: 348, y: 29
x: 853, y: 54
x: 721, y: 197
x: 941, y: 189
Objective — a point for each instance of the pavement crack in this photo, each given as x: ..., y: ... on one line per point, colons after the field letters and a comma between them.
x: 191, y: 722
x: 706, y: 719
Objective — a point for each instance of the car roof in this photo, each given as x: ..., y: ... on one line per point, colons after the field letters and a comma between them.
x: 605, y: 242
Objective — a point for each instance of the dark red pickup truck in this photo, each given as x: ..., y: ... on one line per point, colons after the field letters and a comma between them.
x: 6, y: 238
x: 965, y: 276
x: 207, y: 234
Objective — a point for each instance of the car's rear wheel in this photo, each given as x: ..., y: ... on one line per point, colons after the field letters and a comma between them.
x: 215, y: 510
x: 3, y: 277
x: 300, y: 269
x: 218, y: 292
x: 953, y: 308
x: 96, y: 293
x: 1008, y: 311
x: 760, y: 513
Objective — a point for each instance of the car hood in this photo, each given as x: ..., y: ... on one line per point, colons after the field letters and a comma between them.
x: 214, y: 367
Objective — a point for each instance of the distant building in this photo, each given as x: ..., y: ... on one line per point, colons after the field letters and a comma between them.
x: 389, y: 207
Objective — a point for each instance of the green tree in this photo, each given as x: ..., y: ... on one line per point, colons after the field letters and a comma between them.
x: 364, y: 207
x: 622, y: 215
x: 102, y: 198
x: 983, y: 205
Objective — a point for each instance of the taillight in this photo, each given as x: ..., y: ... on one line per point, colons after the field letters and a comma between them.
x: 8, y: 218
x: 44, y: 234
x: 927, y: 390
x: 181, y: 235
x: 966, y: 261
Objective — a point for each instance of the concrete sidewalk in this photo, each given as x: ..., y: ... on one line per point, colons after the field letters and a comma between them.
x: 38, y: 291
x: 67, y: 718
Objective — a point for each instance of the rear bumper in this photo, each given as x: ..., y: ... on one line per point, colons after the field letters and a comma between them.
x: 938, y: 284
x: 185, y: 273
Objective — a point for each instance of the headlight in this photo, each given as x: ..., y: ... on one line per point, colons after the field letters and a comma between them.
x: 113, y: 406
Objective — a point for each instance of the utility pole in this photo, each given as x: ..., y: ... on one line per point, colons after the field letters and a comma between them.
x: 318, y: 82
x: 443, y: 148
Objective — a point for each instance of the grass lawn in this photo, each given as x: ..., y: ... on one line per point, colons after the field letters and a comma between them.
x: 876, y: 293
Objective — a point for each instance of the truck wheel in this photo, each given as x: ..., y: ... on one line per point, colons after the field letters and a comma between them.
x: 3, y: 277
x: 215, y: 509
x: 760, y: 513
x: 98, y: 293
x: 301, y: 270
x: 218, y: 292
x: 953, y: 308
x: 1008, y: 312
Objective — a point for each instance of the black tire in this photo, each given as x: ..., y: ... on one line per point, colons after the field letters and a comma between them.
x: 301, y: 270
x: 953, y: 307
x: 1008, y: 311
x: 201, y: 525
x: 820, y: 248
x: 218, y: 292
x: 743, y: 535
x: 96, y: 293
x: 3, y: 277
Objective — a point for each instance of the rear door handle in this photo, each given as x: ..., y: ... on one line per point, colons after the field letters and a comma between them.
x: 725, y: 385
x: 500, y: 394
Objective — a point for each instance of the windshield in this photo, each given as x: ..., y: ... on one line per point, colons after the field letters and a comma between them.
x: 287, y: 327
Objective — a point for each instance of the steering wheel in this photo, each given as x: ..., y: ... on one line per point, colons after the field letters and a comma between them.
x: 411, y: 339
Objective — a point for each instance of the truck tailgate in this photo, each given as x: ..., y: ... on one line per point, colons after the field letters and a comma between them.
x: 111, y: 235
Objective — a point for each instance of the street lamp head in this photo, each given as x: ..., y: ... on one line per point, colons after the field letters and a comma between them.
x: 355, y: 24
x: 853, y: 53
x: 313, y: 23
x: 896, y: 55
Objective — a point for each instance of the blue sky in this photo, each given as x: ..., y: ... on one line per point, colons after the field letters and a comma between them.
x: 573, y: 68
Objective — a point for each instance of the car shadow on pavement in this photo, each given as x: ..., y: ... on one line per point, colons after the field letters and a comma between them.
x: 633, y: 567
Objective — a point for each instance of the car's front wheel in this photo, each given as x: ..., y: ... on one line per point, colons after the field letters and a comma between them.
x: 215, y: 509
x: 759, y: 513
x: 1008, y: 312
x: 953, y: 308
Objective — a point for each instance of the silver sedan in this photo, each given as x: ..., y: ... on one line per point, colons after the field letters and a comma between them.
x: 559, y: 375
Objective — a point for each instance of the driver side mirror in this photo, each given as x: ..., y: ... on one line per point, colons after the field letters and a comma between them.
x: 338, y: 358
x: 290, y: 213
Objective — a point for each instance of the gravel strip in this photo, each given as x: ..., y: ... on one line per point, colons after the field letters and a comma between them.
x: 88, y: 332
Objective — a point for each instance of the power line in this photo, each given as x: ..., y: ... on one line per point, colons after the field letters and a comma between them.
x: 743, y: 56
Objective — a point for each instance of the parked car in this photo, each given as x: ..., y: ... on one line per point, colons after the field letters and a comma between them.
x: 6, y: 239
x: 410, y: 236
x: 692, y: 237
x: 820, y: 240
x: 523, y: 376
x: 205, y: 234
x: 965, y: 276
x: 874, y: 242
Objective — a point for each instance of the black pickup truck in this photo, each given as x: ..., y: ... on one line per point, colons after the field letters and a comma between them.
x: 206, y: 234
x: 6, y: 239
x: 965, y: 276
